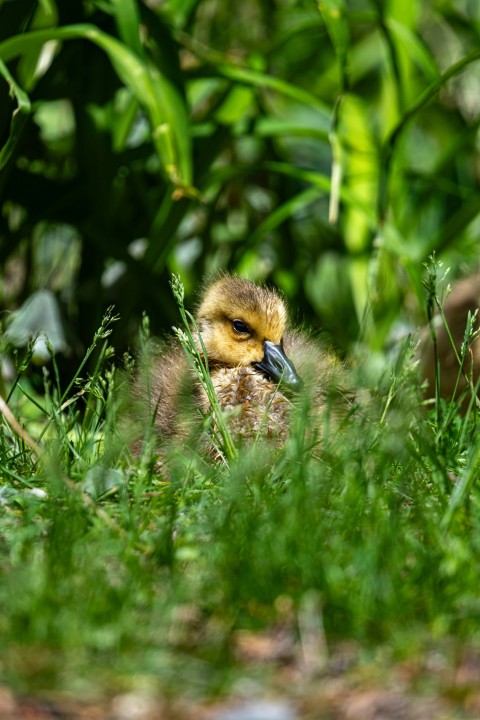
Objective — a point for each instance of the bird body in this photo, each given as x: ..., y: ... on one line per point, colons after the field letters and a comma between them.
x: 257, y: 366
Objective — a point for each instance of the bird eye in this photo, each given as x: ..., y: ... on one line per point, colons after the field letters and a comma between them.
x: 240, y: 327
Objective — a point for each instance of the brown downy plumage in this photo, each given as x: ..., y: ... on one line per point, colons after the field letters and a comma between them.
x: 257, y: 366
x: 464, y: 298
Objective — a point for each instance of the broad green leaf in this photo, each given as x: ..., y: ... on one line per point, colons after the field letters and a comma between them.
x: 333, y: 14
x: 126, y: 109
x: 359, y: 163
x: 180, y: 10
x: 19, y: 116
x: 56, y: 120
x: 48, y: 7
x: 162, y: 101
x: 39, y: 317
x: 283, y: 212
x: 100, y: 481
x: 271, y: 126
x: 127, y: 19
x: 239, y: 103
x: 256, y: 78
x: 424, y: 98
x: 406, y: 14
x: 33, y: 65
x: 416, y: 49
x: 310, y: 177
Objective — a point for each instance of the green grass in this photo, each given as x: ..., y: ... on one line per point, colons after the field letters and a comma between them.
x: 113, y: 575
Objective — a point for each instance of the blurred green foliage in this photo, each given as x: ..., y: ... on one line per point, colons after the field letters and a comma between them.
x: 328, y: 147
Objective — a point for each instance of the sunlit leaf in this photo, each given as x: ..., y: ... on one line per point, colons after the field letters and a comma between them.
x: 256, y: 78
x: 333, y: 14
x: 270, y: 126
x: 416, y: 49
x: 160, y: 98
x: 127, y: 19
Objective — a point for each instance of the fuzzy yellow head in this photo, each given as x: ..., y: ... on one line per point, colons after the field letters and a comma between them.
x: 236, y: 317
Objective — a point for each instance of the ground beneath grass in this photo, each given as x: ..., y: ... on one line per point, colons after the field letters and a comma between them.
x: 274, y: 683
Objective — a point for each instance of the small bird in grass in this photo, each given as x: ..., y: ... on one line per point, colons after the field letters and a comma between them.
x: 463, y: 298
x: 257, y: 366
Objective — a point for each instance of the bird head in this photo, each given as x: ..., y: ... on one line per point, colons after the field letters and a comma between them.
x: 243, y: 324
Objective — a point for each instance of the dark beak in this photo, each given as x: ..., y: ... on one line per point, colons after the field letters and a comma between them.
x: 276, y: 366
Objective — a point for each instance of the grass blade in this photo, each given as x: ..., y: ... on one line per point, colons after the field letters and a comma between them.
x: 19, y: 116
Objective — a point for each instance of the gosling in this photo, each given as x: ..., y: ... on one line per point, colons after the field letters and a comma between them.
x: 257, y: 364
